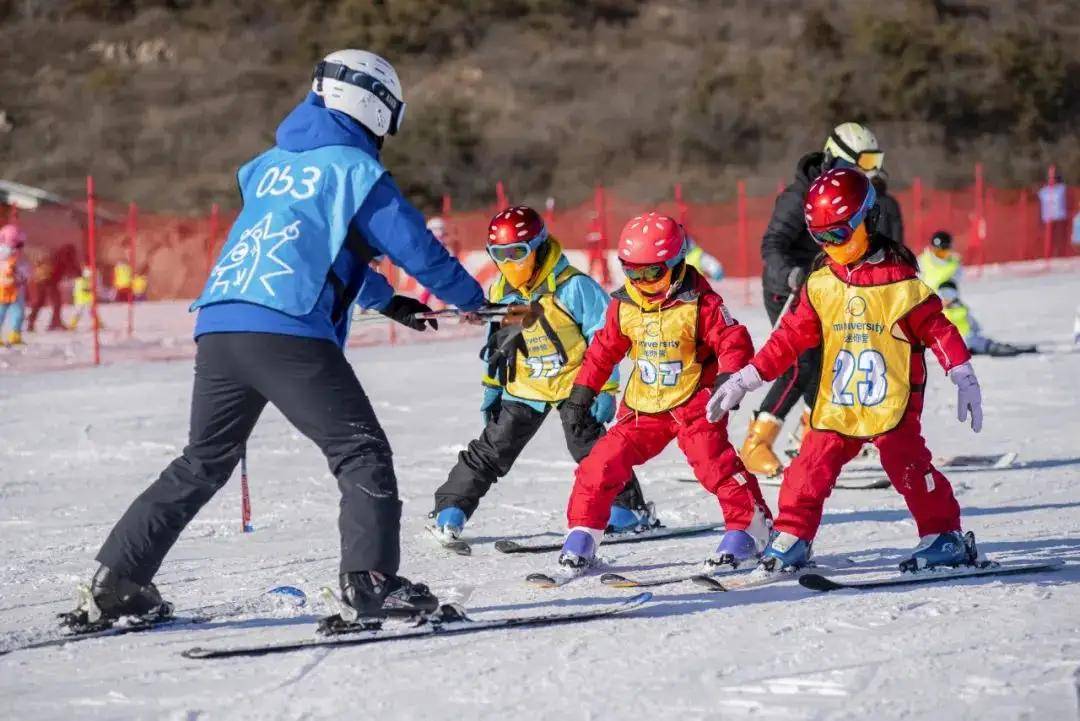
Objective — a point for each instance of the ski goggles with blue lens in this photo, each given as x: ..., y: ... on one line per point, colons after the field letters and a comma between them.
x: 645, y: 273
x: 345, y: 74
x: 839, y: 234
x: 516, y: 252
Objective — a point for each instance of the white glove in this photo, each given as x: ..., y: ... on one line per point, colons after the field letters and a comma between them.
x: 731, y: 391
x: 968, y: 395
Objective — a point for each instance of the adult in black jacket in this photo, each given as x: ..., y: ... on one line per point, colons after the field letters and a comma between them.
x: 890, y: 222
x: 787, y: 252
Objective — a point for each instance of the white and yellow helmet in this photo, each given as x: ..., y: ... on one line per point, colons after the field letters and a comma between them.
x: 854, y: 145
x: 362, y: 85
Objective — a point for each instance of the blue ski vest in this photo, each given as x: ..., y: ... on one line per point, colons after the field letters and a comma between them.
x: 296, y: 213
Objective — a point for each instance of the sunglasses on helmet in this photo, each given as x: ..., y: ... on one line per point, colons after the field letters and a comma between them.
x: 645, y: 273
x: 516, y: 252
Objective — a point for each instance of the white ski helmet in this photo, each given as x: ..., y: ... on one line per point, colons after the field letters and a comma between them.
x: 857, y: 146
x: 362, y: 85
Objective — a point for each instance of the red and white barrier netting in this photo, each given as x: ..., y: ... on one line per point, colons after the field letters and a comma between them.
x: 170, y: 256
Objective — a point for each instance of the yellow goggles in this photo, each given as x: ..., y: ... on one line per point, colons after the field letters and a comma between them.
x: 871, y: 160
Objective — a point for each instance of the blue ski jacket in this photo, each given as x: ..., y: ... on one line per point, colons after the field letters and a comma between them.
x: 385, y: 221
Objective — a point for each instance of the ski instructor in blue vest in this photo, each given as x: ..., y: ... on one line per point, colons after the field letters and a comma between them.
x: 272, y: 320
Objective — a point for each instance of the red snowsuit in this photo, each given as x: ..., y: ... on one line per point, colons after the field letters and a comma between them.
x: 718, y: 344
x: 809, y: 479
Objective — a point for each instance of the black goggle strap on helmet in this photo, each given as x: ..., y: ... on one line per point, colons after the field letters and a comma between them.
x: 345, y: 74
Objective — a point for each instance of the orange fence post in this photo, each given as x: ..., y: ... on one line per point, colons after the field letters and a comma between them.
x: 741, y: 235
x: 211, y: 240
x: 681, y: 205
x: 500, y: 196
x: 91, y: 256
x: 549, y: 210
x: 916, y: 200
x: 131, y: 264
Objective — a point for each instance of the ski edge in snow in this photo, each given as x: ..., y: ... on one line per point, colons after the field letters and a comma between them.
x: 449, y: 629
x: 819, y: 582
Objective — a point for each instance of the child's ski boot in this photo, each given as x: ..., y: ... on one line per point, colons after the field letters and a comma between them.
x: 951, y: 549
x: 738, y: 547
x: 785, y: 554
x: 627, y: 520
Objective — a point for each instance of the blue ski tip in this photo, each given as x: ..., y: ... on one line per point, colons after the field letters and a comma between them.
x: 292, y: 592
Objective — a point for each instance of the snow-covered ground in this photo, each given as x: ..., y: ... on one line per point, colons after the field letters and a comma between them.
x: 76, y: 446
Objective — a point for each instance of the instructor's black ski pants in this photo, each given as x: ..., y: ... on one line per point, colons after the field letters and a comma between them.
x: 314, y: 387
x: 800, y: 380
x: 491, y: 456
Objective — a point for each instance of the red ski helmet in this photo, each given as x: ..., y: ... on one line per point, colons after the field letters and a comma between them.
x: 651, y: 239
x: 838, y: 204
x: 513, y: 237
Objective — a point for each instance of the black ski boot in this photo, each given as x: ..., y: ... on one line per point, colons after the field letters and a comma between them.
x: 368, y: 597
x: 112, y: 597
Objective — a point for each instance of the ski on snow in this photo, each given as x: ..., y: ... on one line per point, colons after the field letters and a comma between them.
x: 616, y: 580
x: 427, y: 628
x: 135, y: 624
x: 818, y: 582
x: 652, y: 534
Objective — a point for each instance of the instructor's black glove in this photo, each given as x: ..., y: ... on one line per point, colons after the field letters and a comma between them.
x: 575, y: 410
x: 403, y: 309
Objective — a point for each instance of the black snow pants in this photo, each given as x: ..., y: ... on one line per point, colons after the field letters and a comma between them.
x: 800, y: 379
x: 313, y: 385
x: 491, y: 456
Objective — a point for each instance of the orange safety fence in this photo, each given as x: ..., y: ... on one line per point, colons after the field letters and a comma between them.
x: 173, y: 254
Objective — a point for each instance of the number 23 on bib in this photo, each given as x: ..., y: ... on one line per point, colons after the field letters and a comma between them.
x: 866, y: 362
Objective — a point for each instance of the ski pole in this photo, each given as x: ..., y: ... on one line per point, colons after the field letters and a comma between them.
x: 245, y: 496
x: 783, y: 311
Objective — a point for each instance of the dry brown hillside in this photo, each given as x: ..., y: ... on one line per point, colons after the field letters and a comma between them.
x: 162, y: 100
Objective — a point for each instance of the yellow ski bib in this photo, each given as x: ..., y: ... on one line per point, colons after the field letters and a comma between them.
x: 935, y: 270
x: 554, y: 346
x: 866, y: 362
x: 664, y: 349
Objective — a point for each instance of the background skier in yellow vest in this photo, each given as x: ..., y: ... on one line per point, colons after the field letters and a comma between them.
x: 866, y: 308
x: 532, y: 360
x: 960, y: 316
x: 682, y: 339
x: 82, y: 298
x: 938, y: 262
x: 940, y: 268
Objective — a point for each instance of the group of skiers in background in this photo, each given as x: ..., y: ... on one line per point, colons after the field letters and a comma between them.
x: 27, y: 288
x: 271, y: 328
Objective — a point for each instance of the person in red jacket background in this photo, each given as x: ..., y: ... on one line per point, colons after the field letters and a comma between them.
x: 682, y: 338
x: 866, y: 307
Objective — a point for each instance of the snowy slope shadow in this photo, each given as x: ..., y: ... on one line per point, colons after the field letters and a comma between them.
x: 902, y: 514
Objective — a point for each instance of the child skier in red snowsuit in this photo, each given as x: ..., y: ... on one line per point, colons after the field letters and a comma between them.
x: 678, y: 332
x: 866, y: 307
